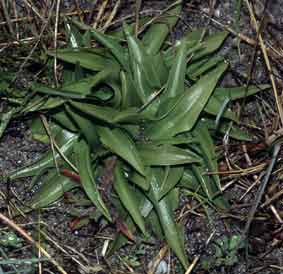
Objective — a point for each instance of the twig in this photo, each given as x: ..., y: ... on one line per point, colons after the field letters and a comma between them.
x: 261, y: 189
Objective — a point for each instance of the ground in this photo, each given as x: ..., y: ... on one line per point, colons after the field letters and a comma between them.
x: 77, y: 250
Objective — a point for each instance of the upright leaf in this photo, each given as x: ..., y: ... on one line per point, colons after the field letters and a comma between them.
x: 111, y: 43
x: 83, y: 163
x: 208, y: 150
x: 166, y: 218
x: 158, y: 31
x: 127, y: 196
x: 188, y: 107
x: 176, y: 81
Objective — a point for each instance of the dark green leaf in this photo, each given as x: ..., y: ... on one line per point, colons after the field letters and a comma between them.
x: 96, y: 60
x: 121, y: 144
x: 83, y: 163
x: 172, y: 175
x: 166, y: 155
x: 235, y: 93
x: 110, y: 115
x: 51, y: 190
x: 46, y: 161
x: 188, y: 107
x: 158, y: 31
x: 127, y: 196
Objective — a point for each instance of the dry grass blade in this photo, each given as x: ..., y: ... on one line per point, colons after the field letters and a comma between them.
x: 24, y: 234
x: 34, y: 9
x: 267, y: 62
x: 7, y: 17
x: 37, y: 42
x: 100, y: 14
x: 157, y: 260
x: 46, y: 126
x: 111, y: 16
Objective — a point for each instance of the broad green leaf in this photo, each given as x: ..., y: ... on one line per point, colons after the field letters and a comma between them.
x: 210, y: 44
x: 153, y: 222
x: 127, y: 196
x: 209, y: 187
x: 83, y: 163
x: 121, y: 144
x: 139, y: 56
x: 139, y: 180
x: 111, y: 43
x: 184, y: 138
x: 235, y: 93
x: 37, y: 87
x: 214, y: 105
x: 229, y: 129
x: 78, y: 89
x: 198, y: 68
x: 87, y: 127
x: 40, y: 103
x: 207, y: 148
x: 190, y: 181
x: 51, y: 190
x: 188, y: 107
x: 5, y: 118
x: 176, y: 81
x: 192, y: 48
x: 39, y: 132
x: 166, y: 217
x: 63, y: 119
x: 166, y: 155
x: 172, y: 176
x: 46, y: 161
x: 110, y: 115
x: 156, y: 34
x: 96, y: 60
x: 130, y: 97
x: 84, y: 85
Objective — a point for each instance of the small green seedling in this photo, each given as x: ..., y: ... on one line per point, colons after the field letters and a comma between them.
x: 226, y: 252
x: 10, y: 239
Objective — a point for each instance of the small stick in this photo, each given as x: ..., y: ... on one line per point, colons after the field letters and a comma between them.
x: 261, y: 189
